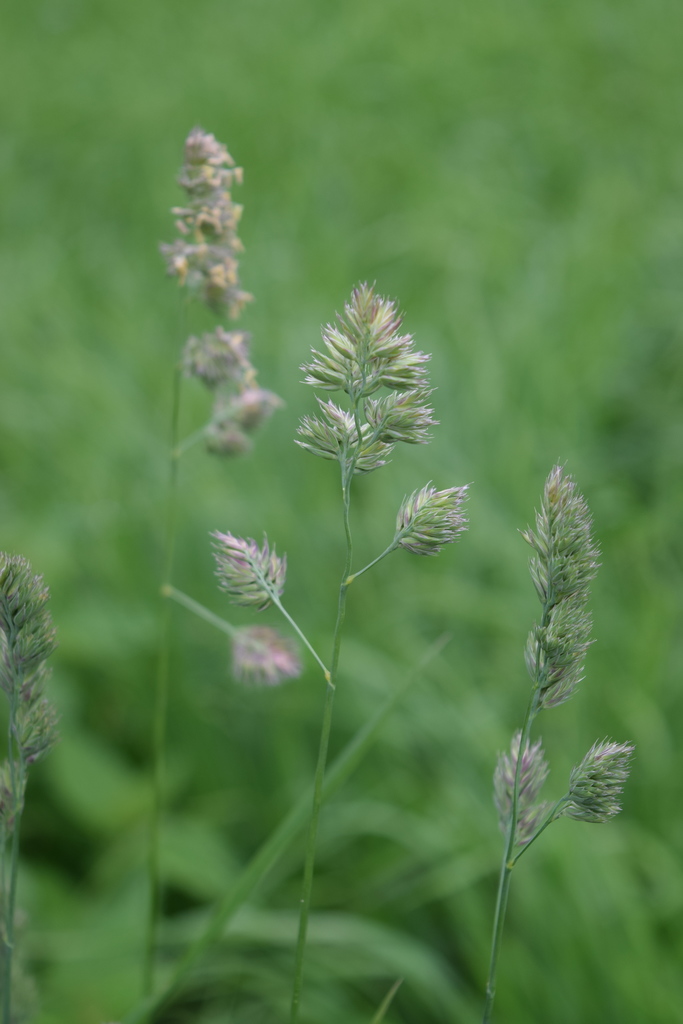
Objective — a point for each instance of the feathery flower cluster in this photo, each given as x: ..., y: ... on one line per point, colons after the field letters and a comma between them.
x: 596, y: 784
x: 262, y: 657
x: 365, y: 351
x: 533, y: 773
x: 564, y: 563
x: 249, y: 575
x: 27, y: 638
x: 204, y: 258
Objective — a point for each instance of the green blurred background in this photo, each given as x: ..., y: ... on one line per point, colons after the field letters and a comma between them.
x: 512, y: 173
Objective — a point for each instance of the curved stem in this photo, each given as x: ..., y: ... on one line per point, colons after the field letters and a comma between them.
x: 386, y: 1002
x: 161, y: 702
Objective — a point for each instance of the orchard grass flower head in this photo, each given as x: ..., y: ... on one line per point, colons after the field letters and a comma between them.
x: 365, y: 350
x: 563, y: 564
x: 533, y: 773
x: 251, y: 576
x: 428, y: 519
x: 263, y: 657
x: 205, y: 257
x: 596, y: 784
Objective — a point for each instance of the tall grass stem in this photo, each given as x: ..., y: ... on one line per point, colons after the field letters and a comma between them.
x: 309, y: 863
x: 509, y: 859
x: 198, y: 609
x: 159, y: 725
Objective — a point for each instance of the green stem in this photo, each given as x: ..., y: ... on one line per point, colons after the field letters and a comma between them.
x: 509, y: 858
x: 198, y: 609
x: 387, y: 1001
x: 387, y: 551
x: 161, y: 703
x: 553, y: 815
x: 226, y: 627
x: 309, y: 862
x: 279, y: 841
x: 189, y: 442
x: 275, y: 597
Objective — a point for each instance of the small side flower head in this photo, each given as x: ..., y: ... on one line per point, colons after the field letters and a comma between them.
x: 218, y: 357
x: 596, y: 784
x: 263, y: 657
x: 253, y: 406
x: 224, y: 437
x: 401, y: 416
x: 235, y: 416
x: 533, y: 773
x: 428, y: 519
x: 250, y: 576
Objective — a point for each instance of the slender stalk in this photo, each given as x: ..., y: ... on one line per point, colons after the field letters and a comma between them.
x: 198, y: 609
x: 226, y: 627
x: 506, y: 867
x: 304, y: 639
x: 553, y: 814
x: 309, y: 863
x: 189, y: 442
x: 386, y: 1002
x: 161, y: 701
x: 509, y: 858
x: 387, y: 551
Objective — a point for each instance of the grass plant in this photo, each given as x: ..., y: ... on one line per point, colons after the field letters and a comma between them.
x: 512, y: 173
x: 563, y: 564
x: 364, y: 356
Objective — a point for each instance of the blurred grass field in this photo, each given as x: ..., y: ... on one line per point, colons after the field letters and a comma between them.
x: 513, y: 174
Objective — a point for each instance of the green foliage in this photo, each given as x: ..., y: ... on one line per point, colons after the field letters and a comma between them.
x: 512, y: 173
